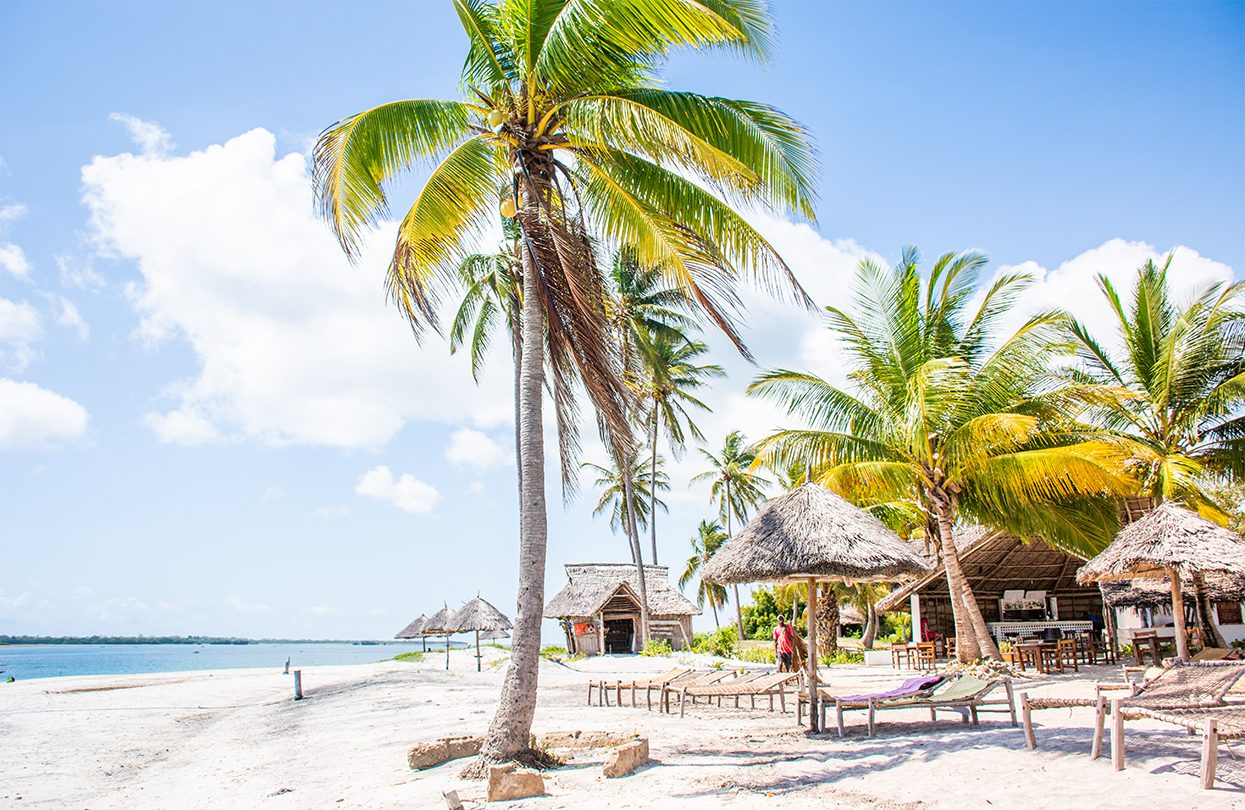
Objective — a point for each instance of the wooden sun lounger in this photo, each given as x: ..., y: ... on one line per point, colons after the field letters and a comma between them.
x: 642, y: 683
x: 965, y: 695
x: 751, y: 686
x: 1214, y: 723
x: 1183, y: 685
x: 699, y: 679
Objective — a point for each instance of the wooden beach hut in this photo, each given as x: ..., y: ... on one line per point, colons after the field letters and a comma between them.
x: 811, y: 535
x: 1170, y: 543
x: 599, y: 608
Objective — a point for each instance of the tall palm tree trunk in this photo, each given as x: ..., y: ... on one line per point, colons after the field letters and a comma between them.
x: 652, y: 496
x: 714, y: 605
x: 739, y: 612
x: 508, y: 734
x: 633, y: 535
x: 871, y: 626
x: 827, y: 622
x: 516, y: 330
x: 1211, y: 637
x: 973, y: 639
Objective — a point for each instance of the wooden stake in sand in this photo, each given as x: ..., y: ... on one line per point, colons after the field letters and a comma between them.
x: 298, y: 684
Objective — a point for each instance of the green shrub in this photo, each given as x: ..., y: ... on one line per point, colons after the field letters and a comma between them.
x: 657, y: 648
x: 410, y: 657
x: 720, y: 642
x: 553, y: 652
x: 756, y: 655
x: 842, y: 657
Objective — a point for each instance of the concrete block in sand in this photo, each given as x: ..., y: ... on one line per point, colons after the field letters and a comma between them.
x: 626, y: 758
x: 585, y: 739
x: 506, y: 782
x: 430, y: 755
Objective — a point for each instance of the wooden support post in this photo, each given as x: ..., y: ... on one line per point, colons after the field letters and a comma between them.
x: 601, y: 634
x: 298, y: 684
x: 287, y: 666
x: 1182, y: 638
x: 1210, y: 753
x: 1117, y: 733
x: 1026, y: 713
x: 813, y: 714
x: 447, y: 652
x: 1100, y: 722
x: 478, y: 651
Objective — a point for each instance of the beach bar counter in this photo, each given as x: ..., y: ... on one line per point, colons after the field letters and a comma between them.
x: 1025, y: 591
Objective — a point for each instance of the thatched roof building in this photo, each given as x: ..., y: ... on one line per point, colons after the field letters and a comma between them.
x: 810, y: 532
x: 600, y: 608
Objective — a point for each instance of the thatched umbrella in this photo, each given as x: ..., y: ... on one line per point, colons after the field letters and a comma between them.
x: 810, y: 534
x: 1170, y: 542
x: 476, y: 616
x: 415, y: 630
x: 1156, y: 593
x: 441, y: 623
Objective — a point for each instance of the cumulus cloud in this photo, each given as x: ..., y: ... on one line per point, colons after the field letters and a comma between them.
x: 31, y: 416
x: 13, y: 260
x: 20, y: 327
x: 471, y: 448
x: 11, y: 212
x: 294, y: 345
x: 404, y: 492
x: 147, y: 135
x: 66, y: 314
x: 79, y: 272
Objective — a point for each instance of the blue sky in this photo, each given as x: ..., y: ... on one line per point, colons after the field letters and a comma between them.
x: 210, y: 423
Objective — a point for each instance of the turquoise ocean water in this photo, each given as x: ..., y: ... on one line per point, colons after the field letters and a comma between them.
x: 52, y: 660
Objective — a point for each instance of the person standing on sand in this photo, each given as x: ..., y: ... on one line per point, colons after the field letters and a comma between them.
x: 782, y: 644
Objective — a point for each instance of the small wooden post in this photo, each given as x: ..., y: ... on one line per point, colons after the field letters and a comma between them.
x: 1117, y: 733
x: 478, y: 651
x: 447, y: 652
x: 1182, y: 638
x: 287, y: 666
x: 298, y: 684
x: 813, y: 719
x: 1210, y: 753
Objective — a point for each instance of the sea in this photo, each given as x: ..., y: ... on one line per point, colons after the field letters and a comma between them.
x: 53, y: 660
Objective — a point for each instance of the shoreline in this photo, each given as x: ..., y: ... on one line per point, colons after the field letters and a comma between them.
x: 236, y: 738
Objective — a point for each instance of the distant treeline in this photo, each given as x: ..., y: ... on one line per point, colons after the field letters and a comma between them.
x: 9, y: 640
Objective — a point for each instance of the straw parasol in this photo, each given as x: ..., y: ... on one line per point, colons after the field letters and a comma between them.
x: 1156, y: 593
x: 1170, y: 542
x: 479, y: 616
x: 810, y: 534
x: 414, y: 630
x: 441, y: 623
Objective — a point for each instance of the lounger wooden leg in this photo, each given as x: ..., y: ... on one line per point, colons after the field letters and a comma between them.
x: 633, y: 695
x: 1210, y: 753
x: 648, y: 697
x: 838, y: 708
x: 1117, y: 734
x: 972, y: 711
x: 1011, y: 700
x: 1026, y: 713
x: 618, y: 693
x: 1100, y: 721
x: 872, y: 726
x: 590, y: 687
x: 683, y: 702
x: 933, y: 715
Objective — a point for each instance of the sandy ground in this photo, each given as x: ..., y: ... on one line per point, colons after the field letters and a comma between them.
x: 236, y: 739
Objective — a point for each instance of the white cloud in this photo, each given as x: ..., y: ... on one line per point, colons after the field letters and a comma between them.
x: 471, y: 448
x: 79, y: 272
x: 240, y: 605
x: 294, y: 345
x: 31, y: 416
x: 331, y: 512
x: 67, y: 315
x: 20, y: 326
x: 148, y: 135
x: 11, y: 212
x: 404, y: 492
x: 13, y: 260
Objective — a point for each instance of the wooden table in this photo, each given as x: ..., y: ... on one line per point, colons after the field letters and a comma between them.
x: 1044, y: 655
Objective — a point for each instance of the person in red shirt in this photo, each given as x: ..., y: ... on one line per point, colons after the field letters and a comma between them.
x: 782, y: 644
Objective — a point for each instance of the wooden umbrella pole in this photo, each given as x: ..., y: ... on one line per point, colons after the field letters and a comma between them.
x: 813, y: 713
x: 447, y: 651
x: 1182, y: 638
x: 478, y: 651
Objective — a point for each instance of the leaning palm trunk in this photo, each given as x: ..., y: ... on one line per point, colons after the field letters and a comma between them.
x: 516, y: 331
x: 1211, y: 637
x: 633, y: 535
x: 508, y: 734
x: 973, y: 639
x: 652, y: 496
x: 871, y: 626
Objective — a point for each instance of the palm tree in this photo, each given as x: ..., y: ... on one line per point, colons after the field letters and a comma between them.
x: 1176, y: 389
x: 736, y: 488
x: 644, y: 486
x: 671, y: 376
x: 708, y: 539
x: 563, y: 112
x: 946, y: 418
x: 492, y: 284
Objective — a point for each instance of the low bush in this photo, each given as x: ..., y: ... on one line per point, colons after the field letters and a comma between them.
x: 842, y: 657
x: 410, y: 657
x: 553, y: 653
x: 720, y: 642
x: 754, y: 654
x: 657, y: 648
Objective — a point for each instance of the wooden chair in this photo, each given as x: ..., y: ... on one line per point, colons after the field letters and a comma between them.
x: 1069, y: 654
x: 951, y: 647
x: 1146, y: 642
x: 901, y: 652
x: 926, y: 656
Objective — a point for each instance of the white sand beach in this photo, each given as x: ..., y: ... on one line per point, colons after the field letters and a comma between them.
x: 235, y: 738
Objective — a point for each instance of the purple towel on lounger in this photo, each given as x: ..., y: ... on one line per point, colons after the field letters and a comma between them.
x: 908, y: 687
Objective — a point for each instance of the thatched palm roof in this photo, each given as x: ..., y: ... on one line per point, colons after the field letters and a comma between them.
x: 591, y: 585
x: 1157, y: 593
x: 479, y: 615
x: 1168, y: 538
x: 413, y: 630
x: 811, y: 532
x: 439, y: 623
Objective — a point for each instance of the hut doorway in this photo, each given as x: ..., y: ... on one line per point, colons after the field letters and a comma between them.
x: 619, y: 636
